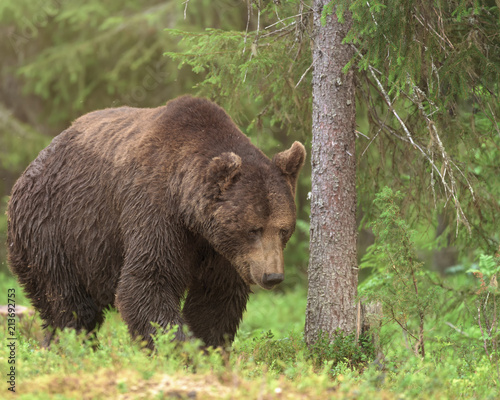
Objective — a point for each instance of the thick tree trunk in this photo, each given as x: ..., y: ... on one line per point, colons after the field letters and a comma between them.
x: 332, y: 272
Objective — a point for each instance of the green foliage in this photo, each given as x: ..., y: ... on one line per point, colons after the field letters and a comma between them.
x: 333, y: 353
x: 446, y: 314
x: 290, y: 309
x: 489, y: 266
x: 340, y: 348
x: 452, y: 35
x: 485, y: 301
x: 18, y: 147
x: 63, y: 50
x: 430, y: 73
x: 397, y: 279
x: 19, y: 144
x: 254, y: 68
x: 276, y: 354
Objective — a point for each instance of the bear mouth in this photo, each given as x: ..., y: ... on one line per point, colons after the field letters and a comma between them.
x: 266, y: 286
x: 249, y: 279
x: 245, y: 272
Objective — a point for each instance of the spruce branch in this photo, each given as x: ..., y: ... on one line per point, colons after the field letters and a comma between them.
x: 450, y: 187
x: 494, y: 121
x: 403, y: 327
x: 416, y: 98
x: 421, y: 19
x: 362, y: 134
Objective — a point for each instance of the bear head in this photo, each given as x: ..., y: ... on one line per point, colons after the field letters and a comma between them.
x: 254, y: 214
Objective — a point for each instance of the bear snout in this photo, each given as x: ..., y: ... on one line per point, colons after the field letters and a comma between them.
x: 273, y: 267
x: 272, y: 279
x: 270, y: 272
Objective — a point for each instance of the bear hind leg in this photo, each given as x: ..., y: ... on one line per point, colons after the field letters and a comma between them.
x: 77, y: 311
x: 61, y: 301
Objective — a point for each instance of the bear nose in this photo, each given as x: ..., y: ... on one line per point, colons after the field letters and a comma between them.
x: 272, y: 279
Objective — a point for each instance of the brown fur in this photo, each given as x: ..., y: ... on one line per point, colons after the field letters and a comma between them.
x: 132, y: 207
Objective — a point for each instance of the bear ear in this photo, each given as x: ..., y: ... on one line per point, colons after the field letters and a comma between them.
x: 290, y: 161
x: 224, y: 170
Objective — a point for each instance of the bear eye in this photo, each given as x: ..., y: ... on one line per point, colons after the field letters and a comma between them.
x: 283, y: 234
x: 255, y: 233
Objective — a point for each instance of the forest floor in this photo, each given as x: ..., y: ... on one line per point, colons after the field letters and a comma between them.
x: 268, y: 361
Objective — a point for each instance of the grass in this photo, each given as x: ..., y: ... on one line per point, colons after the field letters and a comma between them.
x: 269, y: 360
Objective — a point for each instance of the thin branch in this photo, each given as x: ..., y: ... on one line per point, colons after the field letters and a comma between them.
x: 255, y: 42
x: 422, y: 151
x: 376, y: 23
x: 287, y: 29
x: 465, y: 177
x: 258, y: 25
x: 450, y: 189
x: 369, y: 99
x: 387, y: 100
x: 284, y: 19
x: 433, y: 181
x: 430, y: 28
x: 494, y: 322
x: 249, y: 8
x: 362, y: 134
x: 441, y: 26
x: 304, y: 74
x: 405, y: 329
x: 482, y: 333
x: 371, y: 141
x: 436, y: 139
x: 457, y: 329
x: 495, y: 122
x: 185, y: 8
x: 446, y: 160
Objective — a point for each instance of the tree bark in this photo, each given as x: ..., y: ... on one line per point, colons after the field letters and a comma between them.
x: 332, y: 271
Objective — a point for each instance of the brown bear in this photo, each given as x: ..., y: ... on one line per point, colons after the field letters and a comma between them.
x: 140, y: 208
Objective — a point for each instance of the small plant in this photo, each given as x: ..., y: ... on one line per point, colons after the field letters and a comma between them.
x: 486, y: 304
x: 277, y: 354
x: 397, y: 278
x: 340, y: 348
x: 337, y: 351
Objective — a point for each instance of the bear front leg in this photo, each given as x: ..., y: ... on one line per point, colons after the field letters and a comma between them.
x: 215, y: 303
x: 150, y: 292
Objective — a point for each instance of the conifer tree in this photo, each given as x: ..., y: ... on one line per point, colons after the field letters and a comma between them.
x: 332, y: 272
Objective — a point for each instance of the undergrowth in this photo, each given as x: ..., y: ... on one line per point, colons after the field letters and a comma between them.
x: 264, y: 363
